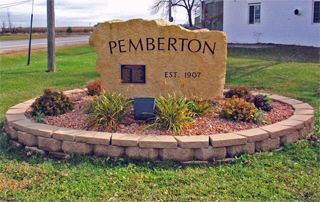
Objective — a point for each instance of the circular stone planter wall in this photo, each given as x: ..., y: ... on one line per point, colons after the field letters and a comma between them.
x: 59, y: 142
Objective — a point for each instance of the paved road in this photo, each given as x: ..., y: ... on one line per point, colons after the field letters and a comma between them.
x: 18, y: 45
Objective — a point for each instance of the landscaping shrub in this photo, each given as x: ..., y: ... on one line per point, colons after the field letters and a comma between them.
x: 172, y: 113
x: 94, y: 87
x: 263, y: 102
x: 237, y: 109
x: 240, y: 92
x: 199, y: 108
x: 51, y: 104
x: 107, y: 111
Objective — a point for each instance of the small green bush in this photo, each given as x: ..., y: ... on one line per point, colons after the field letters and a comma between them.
x: 38, y: 117
x: 51, y: 104
x: 240, y: 92
x: 237, y: 109
x: 172, y: 113
x: 107, y: 111
x: 94, y: 88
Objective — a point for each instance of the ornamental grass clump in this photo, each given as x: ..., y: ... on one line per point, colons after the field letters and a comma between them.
x: 107, y: 111
x: 172, y: 113
x: 199, y: 107
x: 52, y: 103
x: 237, y: 109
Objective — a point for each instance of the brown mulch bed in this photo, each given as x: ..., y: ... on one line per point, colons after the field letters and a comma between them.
x: 76, y: 119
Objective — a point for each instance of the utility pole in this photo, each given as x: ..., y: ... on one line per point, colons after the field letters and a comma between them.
x: 170, y: 13
x: 30, y: 35
x: 51, y: 36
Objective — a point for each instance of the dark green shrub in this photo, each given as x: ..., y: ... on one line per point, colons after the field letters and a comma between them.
x: 94, y: 88
x: 107, y: 111
x: 240, y: 92
x: 172, y: 113
x: 51, y: 104
x: 69, y: 30
x: 237, y: 109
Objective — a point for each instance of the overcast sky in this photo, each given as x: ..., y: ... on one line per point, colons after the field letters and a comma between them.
x: 80, y: 12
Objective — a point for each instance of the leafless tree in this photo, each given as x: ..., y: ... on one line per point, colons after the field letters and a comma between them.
x: 3, y: 26
x: 189, y: 5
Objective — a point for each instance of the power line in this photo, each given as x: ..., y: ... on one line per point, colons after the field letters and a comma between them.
x: 14, y: 4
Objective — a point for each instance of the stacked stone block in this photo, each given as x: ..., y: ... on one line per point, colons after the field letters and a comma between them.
x: 61, y: 142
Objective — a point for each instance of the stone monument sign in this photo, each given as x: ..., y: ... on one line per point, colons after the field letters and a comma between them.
x: 151, y: 58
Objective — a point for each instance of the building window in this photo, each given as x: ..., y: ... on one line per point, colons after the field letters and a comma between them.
x: 254, y: 13
x: 316, y: 11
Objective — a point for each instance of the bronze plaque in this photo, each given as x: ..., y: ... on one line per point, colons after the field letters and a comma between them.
x: 133, y: 73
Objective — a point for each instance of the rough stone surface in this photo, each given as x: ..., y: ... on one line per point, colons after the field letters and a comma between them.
x: 30, y: 102
x: 100, y: 150
x: 307, y: 119
x: 132, y: 152
x: 177, y: 154
x: 254, y: 135
x: 67, y: 134
x: 303, y: 132
x: 279, y: 98
x: 193, y: 141
x: 303, y: 112
x: 302, y: 106
x: 149, y: 153
x: 278, y: 130
x: 115, y: 151
x: 210, y: 153
x: 249, y: 148
x: 92, y: 137
x: 153, y: 141
x: 175, y: 59
x: 20, y: 106
x: 35, y: 150
x: 49, y: 144
x: 235, y: 150
x: 268, y: 144
x: 27, y: 139
x: 14, y: 111
x: 11, y: 118
x: 58, y: 155
x: 125, y: 140
x: 42, y: 130
x: 289, y: 139
x: 293, y: 101
x: 15, y: 144
x: 294, y: 124
x: 22, y: 124
x: 76, y: 147
x: 311, y: 126
x: 227, y: 139
x: 13, y: 134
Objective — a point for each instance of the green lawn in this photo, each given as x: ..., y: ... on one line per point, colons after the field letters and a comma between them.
x: 34, y: 36
x: 291, y: 174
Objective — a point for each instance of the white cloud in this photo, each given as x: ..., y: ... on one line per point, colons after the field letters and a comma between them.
x: 82, y: 12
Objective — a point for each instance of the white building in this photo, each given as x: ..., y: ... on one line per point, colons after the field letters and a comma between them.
x: 289, y: 22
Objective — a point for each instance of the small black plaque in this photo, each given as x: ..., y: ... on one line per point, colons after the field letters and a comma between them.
x: 133, y: 73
